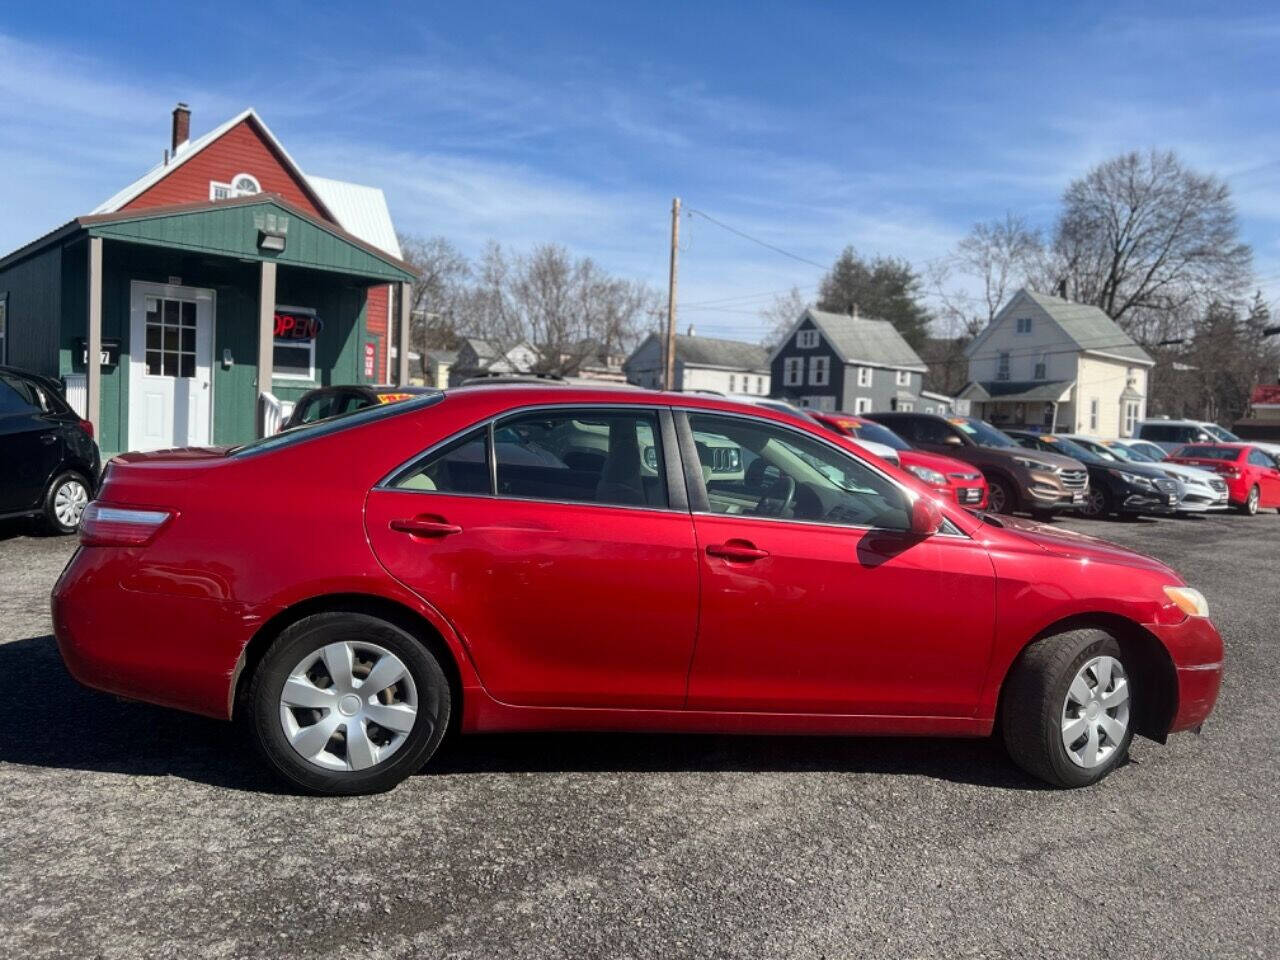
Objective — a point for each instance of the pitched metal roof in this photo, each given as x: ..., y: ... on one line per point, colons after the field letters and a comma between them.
x: 713, y: 352
x: 1090, y: 328
x: 865, y: 340
x: 362, y: 211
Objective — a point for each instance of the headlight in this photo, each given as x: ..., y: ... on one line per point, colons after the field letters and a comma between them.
x: 1188, y: 600
x: 1035, y: 464
x: 931, y: 477
x: 1134, y: 480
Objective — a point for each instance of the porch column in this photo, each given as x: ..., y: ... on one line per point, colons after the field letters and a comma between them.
x: 92, y: 367
x: 266, y: 342
x: 402, y: 335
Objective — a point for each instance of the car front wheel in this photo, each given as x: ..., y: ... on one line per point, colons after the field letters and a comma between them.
x: 1097, y: 503
x: 346, y: 703
x: 1001, y: 497
x: 1066, y: 708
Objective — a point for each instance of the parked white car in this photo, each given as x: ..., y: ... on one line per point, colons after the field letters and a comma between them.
x: 1171, y: 434
x: 1206, y: 490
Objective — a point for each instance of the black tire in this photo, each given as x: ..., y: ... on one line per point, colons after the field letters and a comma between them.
x: 1097, y: 504
x: 1250, y: 506
x: 50, y: 506
x: 433, y: 702
x: 1001, y: 496
x: 1032, y: 707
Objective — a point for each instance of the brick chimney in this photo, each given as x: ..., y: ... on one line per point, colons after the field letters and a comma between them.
x: 181, y: 125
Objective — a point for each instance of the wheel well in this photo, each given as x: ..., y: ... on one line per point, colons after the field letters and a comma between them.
x: 1144, y: 654
x: 408, y: 620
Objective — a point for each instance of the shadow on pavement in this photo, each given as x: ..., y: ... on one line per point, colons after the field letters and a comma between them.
x: 55, y: 722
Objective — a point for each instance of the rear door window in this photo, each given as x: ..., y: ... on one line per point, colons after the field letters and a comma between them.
x: 461, y: 466
x: 1260, y: 459
x: 18, y: 396
x: 582, y: 456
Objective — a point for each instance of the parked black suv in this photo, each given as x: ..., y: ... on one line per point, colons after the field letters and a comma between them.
x: 49, y: 462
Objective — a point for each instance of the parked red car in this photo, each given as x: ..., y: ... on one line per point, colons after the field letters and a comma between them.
x: 501, y: 558
x: 953, y: 479
x: 1252, y: 475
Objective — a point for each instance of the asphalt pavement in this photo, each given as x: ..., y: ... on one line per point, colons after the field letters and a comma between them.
x: 129, y: 831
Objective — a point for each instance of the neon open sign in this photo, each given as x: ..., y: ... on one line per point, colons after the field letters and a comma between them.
x: 297, y: 326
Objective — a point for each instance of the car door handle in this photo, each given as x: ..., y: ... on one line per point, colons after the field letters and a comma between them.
x: 741, y: 551
x: 426, y: 526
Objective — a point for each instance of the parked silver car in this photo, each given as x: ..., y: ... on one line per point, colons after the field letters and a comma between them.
x: 1206, y: 490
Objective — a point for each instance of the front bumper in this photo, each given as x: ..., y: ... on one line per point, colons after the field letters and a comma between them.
x: 1196, y: 649
x: 1046, y: 491
x: 1137, y: 500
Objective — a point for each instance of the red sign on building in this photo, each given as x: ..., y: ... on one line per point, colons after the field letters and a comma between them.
x: 370, y: 358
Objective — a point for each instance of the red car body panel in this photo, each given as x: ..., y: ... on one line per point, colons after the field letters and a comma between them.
x: 583, y: 616
x: 961, y: 477
x: 1240, y: 475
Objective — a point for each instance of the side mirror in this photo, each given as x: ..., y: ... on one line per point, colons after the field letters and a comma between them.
x: 926, y: 516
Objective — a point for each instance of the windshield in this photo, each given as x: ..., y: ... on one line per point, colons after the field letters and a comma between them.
x: 1068, y: 448
x: 982, y: 433
x: 1128, y: 454
x: 1099, y: 450
x: 343, y: 421
x: 876, y: 433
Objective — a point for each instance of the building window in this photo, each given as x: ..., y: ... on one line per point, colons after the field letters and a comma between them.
x: 241, y: 185
x: 760, y: 385
x: 1130, y: 417
x: 294, y: 360
x: 793, y: 371
x: 807, y: 339
x: 903, y: 378
x: 1024, y: 324
x: 4, y: 328
x: 171, y: 337
x: 819, y: 371
x: 906, y: 406
x: 733, y: 383
x: 1002, y: 367
x: 862, y: 405
x: 864, y: 376
x: 1039, y: 373
x: 1093, y: 414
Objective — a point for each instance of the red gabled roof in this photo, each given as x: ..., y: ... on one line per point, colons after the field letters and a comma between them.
x: 1266, y: 394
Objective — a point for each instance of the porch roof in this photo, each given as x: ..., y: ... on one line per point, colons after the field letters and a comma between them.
x: 232, y: 228
x: 1019, y: 391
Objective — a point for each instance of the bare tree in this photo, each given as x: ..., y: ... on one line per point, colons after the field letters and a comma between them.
x: 438, y: 293
x: 1141, y: 235
x: 1000, y: 254
x: 781, y: 314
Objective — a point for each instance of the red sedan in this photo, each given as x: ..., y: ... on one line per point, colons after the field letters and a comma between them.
x: 506, y: 558
x: 952, y: 478
x: 1252, y: 474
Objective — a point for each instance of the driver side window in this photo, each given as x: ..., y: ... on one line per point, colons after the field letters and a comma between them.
x: 753, y: 468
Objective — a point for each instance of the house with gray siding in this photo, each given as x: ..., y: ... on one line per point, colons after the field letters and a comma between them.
x: 702, y: 363
x: 832, y: 361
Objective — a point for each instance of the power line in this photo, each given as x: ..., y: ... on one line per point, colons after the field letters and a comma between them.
x: 746, y: 236
x: 750, y: 296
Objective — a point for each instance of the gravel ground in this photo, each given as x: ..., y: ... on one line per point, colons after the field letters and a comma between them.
x: 129, y: 831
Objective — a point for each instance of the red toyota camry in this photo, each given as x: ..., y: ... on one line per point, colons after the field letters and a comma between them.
x: 533, y: 558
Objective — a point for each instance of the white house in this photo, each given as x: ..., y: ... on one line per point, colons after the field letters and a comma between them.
x: 702, y: 363
x: 1047, y: 363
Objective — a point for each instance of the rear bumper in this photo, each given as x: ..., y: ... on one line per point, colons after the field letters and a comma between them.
x: 1196, y: 648
x: 170, y: 650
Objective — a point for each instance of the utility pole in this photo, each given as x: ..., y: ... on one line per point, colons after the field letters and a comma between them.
x: 669, y: 354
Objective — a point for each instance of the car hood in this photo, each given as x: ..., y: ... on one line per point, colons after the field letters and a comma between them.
x: 935, y: 461
x: 1198, y: 474
x: 1137, y: 469
x: 1069, y: 545
x: 1053, y: 459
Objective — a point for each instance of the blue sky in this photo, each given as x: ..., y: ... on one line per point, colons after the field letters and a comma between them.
x: 810, y: 126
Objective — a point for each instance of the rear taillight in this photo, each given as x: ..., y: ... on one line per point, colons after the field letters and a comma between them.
x: 87, y: 427
x: 103, y: 526
x: 1229, y: 472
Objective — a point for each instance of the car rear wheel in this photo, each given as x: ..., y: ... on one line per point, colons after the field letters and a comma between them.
x: 346, y: 703
x: 1250, y: 505
x: 1001, y: 497
x: 1066, y: 708
x: 64, y: 502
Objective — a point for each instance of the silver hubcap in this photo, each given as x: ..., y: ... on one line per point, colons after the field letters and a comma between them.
x: 1253, y: 500
x: 348, y: 706
x: 1095, y: 715
x: 69, y: 501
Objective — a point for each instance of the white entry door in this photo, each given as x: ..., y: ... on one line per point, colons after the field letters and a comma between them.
x: 170, y: 366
